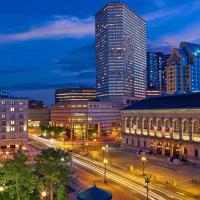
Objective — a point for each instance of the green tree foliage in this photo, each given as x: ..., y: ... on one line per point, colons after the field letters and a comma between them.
x: 53, y: 165
x: 18, y: 178
x: 61, y: 193
x: 53, y: 132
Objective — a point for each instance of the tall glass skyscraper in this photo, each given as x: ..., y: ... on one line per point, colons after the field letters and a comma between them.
x: 183, y: 71
x: 120, y: 53
x: 156, y: 70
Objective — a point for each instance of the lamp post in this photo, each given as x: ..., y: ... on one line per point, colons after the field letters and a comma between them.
x: 143, y: 159
x: 43, y: 195
x: 83, y: 145
x: 87, y: 147
x: 1, y: 191
x: 7, y: 153
x: 105, y: 165
x: 95, y: 144
x: 103, y: 151
x: 147, y: 181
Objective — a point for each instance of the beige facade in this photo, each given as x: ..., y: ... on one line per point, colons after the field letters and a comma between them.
x: 82, y: 116
x: 174, y: 132
x: 13, y: 124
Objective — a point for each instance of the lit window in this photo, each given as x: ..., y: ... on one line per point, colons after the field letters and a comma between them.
x: 12, y: 109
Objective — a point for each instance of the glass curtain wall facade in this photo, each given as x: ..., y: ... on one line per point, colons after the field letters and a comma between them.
x: 120, y: 52
x: 183, y: 72
x: 156, y: 70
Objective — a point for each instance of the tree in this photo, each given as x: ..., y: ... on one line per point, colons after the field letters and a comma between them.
x: 18, y: 178
x: 53, y: 165
x: 61, y: 193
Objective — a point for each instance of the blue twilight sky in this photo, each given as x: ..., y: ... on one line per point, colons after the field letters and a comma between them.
x: 46, y: 44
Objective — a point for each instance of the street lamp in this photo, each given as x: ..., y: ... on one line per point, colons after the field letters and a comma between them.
x: 1, y: 191
x: 143, y: 159
x: 7, y: 153
x: 103, y: 150
x: 95, y: 144
x: 62, y: 159
x: 87, y: 147
x: 105, y: 165
x: 147, y: 181
x: 43, y: 194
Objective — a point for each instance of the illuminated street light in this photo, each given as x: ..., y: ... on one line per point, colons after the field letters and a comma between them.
x: 24, y: 148
x: 44, y: 194
x: 1, y: 188
x: 105, y: 165
x: 87, y: 146
x: 95, y: 144
x: 7, y: 153
x: 62, y: 159
x: 143, y: 159
x: 103, y: 150
x: 1, y: 191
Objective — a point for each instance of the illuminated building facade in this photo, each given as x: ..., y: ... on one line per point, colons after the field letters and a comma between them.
x: 120, y: 53
x: 84, y: 116
x: 183, y: 72
x: 13, y: 124
x: 63, y: 95
x: 156, y: 70
x: 151, y: 92
x: 38, y: 115
x: 165, y: 125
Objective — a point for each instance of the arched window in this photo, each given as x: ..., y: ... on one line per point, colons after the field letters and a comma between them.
x: 176, y: 126
x: 145, y: 123
x: 139, y: 123
x: 159, y: 124
x: 186, y: 126
x: 196, y: 126
x: 167, y: 125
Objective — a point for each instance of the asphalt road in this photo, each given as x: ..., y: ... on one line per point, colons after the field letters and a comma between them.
x: 134, y: 186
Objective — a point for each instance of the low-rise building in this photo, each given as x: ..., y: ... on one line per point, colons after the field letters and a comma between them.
x: 165, y: 125
x: 83, y: 116
x: 152, y: 92
x: 38, y: 115
x: 13, y: 124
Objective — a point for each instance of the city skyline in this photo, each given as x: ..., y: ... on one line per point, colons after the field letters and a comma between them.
x: 35, y: 41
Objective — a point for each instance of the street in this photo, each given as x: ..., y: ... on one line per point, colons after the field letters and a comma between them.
x: 121, y: 178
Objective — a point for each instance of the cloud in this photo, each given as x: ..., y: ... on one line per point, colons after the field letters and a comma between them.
x: 185, y: 9
x: 60, y: 27
x: 190, y: 34
x: 77, y: 63
x: 160, y: 46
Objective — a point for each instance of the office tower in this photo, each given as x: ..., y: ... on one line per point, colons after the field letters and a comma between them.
x: 156, y: 71
x: 66, y: 94
x: 165, y: 61
x: 183, y: 72
x: 120, y: 53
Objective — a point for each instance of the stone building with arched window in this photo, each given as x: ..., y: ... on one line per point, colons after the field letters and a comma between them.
x: 165, y: 125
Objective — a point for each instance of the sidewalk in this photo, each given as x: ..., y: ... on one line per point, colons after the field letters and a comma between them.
x: 180, y: 175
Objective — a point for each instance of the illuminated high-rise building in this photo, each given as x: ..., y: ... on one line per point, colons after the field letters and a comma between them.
x: 120, y: 53
x: 156, y: 71
x: 183, y: 70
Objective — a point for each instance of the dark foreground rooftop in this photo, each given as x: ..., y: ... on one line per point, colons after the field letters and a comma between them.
x: 94, y: 193
x: 182, y: 101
